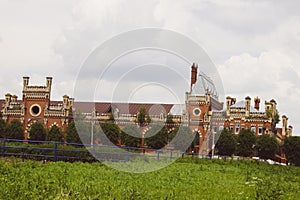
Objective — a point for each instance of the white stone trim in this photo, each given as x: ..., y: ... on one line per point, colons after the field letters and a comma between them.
x: 33, y: 114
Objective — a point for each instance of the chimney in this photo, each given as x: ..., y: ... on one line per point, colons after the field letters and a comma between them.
x: 48, y: 82
x: 256, y: 103
x: 193, y: 75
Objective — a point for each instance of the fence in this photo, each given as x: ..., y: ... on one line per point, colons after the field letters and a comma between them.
x: 61, y: 151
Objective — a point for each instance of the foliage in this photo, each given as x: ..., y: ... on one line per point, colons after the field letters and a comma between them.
x: 45, y: 151
x: 142, y: 117
x: 156, y: 137
x: 196, y: 140
x: 54, y: 134
x: 180, y: 180
x: 245, y: 143
x: 2, y: 127
x: 131, y: 136
x: 14, y: 130
x: 84, y: 130
x: 169, y: 120
x: 277, y: 117
x: 181, y: 138
x: 226, y: 144
x: 71, y: 134
x: 291, y: 148
x: 37, y: 132
x: 111, y: 131
x: 267, y: 146
x: 111, y: 117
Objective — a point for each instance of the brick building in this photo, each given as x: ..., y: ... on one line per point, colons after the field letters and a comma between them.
x: 202, y: 111
x: 36, y: 106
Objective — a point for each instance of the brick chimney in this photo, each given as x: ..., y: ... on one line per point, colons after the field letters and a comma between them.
x: 256, y: 103
x: 193, y: 75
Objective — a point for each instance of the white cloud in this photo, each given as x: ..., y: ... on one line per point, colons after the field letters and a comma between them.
x: 256, y: 42
x: 271, y: 75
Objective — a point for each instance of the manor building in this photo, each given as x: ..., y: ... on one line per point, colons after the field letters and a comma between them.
x: 202, y: 111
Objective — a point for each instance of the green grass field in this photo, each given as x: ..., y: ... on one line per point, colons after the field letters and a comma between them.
x: 189, y: 178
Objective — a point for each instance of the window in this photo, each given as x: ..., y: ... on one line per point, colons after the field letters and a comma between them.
x: 215, y: 129
x: 253, y: 128
x: 35, y: 110
x: 196, y: 111
x: 231, y: 128
x: 243, y: 127
x: 260, y: 130
x: 237, y: 127
x: 221, y: 127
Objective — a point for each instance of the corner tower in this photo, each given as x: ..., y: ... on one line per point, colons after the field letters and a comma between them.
x: 200, y: 102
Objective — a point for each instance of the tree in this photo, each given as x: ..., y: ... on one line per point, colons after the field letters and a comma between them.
x: 37, y: 132
x: 84, y: 130
x: 142, y: 117
x: 181, y: 138
x: 291, y: 148
x: 275, y: 119
x: 267, y: 146
x: 157, y: 136
x: 131, y: 136
x: 246, y: 140
x: 2, y: 127
x: 15, y: 130
x: 111, y: 131
x: 71, y: 134
x: 169, y: 119
x: 226, y: 145
x: 54, y: 134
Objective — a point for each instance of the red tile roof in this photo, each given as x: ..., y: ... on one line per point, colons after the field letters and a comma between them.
x: 123, y: 108
x: 88, y: 107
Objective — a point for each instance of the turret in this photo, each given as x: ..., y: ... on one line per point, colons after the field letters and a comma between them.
x: 25, y: 81
x: 71, y: 102
x: 274, y: 109
x: 7, y: 99
x: 48, y: 82
x: 247, y: 106
x: 14, y: 98
x: 284, y: 125
x: 228, y: 104
x: 65, y: 101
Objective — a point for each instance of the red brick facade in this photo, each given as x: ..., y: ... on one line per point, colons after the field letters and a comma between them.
x: 36, y: 106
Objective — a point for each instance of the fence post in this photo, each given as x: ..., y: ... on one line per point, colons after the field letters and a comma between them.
x: 158, y: 154
x: 3, y: 148
x: 171, y: 154
x: 55, y: 152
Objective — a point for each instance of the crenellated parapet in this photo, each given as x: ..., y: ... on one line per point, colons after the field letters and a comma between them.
x: 32, y: 91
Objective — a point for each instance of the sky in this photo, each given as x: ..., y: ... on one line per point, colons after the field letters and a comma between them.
x: 254, y: 46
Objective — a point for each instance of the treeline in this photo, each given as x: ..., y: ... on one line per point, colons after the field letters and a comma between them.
x: 266, y: 146
x: 109, y: 133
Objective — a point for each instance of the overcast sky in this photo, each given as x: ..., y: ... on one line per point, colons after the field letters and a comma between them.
x: 255, y: 45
